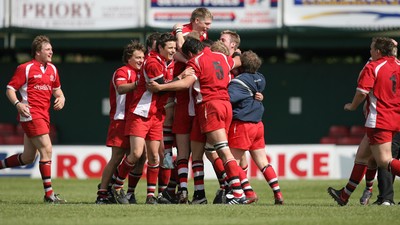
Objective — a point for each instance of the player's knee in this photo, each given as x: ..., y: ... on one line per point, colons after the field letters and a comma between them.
x: 221, y: 145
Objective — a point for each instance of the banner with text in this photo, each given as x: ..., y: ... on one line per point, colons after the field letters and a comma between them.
x: 289, y: 161
x: 342, y: 13
x: 233, y: 14
x: 2, y: 14
x: 77, y: 15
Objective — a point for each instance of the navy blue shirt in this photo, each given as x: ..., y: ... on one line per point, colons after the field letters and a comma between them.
x: 241, y: 91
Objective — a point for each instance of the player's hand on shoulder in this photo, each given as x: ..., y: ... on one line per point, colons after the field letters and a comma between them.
x: 177, y: 26
x: 153, y: 86
x: 189, y: 71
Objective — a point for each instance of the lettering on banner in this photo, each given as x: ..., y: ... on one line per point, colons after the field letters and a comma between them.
x: 92, y: 166
x: 197, y: 3
x: 65, y: 166
x: 57, y: 10
x: 292, y: 164
x: 89, y: 164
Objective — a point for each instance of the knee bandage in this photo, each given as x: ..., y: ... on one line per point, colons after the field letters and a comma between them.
x: 221, y: 145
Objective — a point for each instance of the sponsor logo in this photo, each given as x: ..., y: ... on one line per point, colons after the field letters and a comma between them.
x: 37, y: 76
x: 197, y: 3
x: 43, y: 87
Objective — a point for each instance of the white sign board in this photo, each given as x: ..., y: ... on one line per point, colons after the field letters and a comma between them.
x: 2, y: 14
x: 232, y: 14
x: 342, y: 13
x: 77, y: 15
x: 289, y: 161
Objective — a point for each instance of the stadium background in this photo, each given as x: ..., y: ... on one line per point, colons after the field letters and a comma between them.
x: 313, y: 51
x: 311, y: 67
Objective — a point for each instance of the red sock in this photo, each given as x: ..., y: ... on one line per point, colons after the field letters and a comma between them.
x: 232, y: 172
x: 394, y: 167
x: 12, y: 161
x: 219, y: 169
x: 133, y: 180
x: 271, y: 178
x: 357, y: 174
x: 152, y: 175
x: 369, y: 178
x: 123, y: 170
x: 45, y: 172
x: 244, y: 182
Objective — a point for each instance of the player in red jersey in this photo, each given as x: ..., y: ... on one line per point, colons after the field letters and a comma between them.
x: 122, y: 84
x: 36, y: 81
x: 226, y: 45
x: 200, y: 21
x: 378, y: 84
x: 145, y: 119
x: 213, y: 109
x: 184, y: 111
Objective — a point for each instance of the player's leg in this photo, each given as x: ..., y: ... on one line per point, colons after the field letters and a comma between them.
x: 134, y: 177
x: 117, y: 154
x: 357, y: 174
x: 199, y: 195
x: 369, y: 181
x: 260, y: 158
x: 153, y: 163
x: 26, y: 157
x: 219, y: 140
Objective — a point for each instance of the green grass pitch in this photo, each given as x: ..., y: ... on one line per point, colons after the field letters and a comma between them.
x: 306, y: 203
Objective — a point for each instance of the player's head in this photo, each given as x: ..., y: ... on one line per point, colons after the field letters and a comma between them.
x: 192, y: 47
x: 151, y: 41
x: 381, y: 46
x: 231, y: 39
x: 207, y: 42
x: 250, y: 62
x: 41, y: 49
x: 201, y: 20
x: 219, y: 46
x: 133, y: 54
x: 166, y: 45
x: 394, y: 52
x: 193, y: 34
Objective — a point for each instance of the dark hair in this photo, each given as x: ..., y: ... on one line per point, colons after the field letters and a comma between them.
x: 208, y: 42
x: 164, y: 38
x: 130, y: 49
x: 384, y: 45
x: 153, y: 37
x: 250, y: 62
x: 37, y: 44
x: 192, y: 45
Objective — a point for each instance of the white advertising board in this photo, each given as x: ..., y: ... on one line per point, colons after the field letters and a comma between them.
x: 290, y: 162
x: 342, y: 13
x: 77, y: 15
x: 232, y: 14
